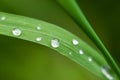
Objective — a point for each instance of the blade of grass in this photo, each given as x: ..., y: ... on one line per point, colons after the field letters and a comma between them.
x: 54, y: 37
x: 74, y: 10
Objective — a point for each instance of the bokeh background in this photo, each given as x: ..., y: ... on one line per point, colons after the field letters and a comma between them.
x: 23, y: 60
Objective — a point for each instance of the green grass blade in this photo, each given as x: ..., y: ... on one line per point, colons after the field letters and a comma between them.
x: 54, y: 37
x: 76, y: 13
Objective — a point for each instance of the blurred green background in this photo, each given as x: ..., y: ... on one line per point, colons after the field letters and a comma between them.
x: 23, y: 60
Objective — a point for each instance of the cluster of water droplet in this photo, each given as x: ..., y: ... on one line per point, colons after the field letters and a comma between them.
x: 55, y: 43
x: 81, y: 52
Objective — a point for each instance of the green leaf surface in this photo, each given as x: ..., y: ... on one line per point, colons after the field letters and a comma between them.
x: 76, y: 13
x: 54, y: 37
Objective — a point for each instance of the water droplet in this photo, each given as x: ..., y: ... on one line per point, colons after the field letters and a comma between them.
x: 38, y: 28
x: 55, y: 43
x: 70, y: 53
x: 38, y: 38
x: 16, y: 32
x: 81, y: 51
x: 89, y: 59
x: 105, y: 70
x: 3, y: 18
x: 75, y: 42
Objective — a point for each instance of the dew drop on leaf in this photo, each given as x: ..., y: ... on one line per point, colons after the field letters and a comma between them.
x: 16, y: 32
x: 38, y: 38
x: 55, y: 43
x: 75, y: 42
x: 3, y: 18
x: 89, y: 59
x: 38, y: 28
x: 70, y: 53
x: 81, y: 51
x: 105, y: 70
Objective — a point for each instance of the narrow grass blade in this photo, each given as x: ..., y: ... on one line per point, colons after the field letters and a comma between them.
x: 76, y: 13
x: 54, y: 37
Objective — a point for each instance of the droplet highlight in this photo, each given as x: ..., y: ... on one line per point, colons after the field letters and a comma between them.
x: 16, y: 32
x: 75, y: 42
x: 81, y: 51
x: 38, y: 28
x: 55, y: 43
x: 105, y: 71
x: 3, y: 18
x: 89, y: 59
x: 38, y: 39
x: 70, y: 53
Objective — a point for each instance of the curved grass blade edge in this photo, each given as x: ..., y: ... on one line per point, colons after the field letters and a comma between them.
x: 55, y: 38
